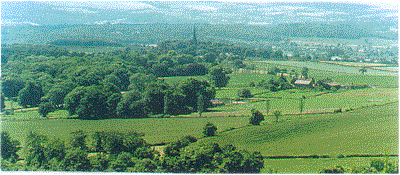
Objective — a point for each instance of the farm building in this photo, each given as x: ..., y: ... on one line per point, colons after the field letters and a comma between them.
x: 333, y: 84
x: 304, y: 83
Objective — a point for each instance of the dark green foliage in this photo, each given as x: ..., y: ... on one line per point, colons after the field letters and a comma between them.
x: 276, y: 113
x: 210, y: 57
x: 244, y: 93
x: 211, y: 158
x: 36, y: 155
x: 256, y: 117
x: 132, y: 106
x: 72, y: 99
x: 191, y: 87
x: 76, y: 160
x: 78, y: 140
x: 252, y: 84
x: 30, y: 95
x: 114, y: 142
x: 336, y: 170
x: 99, y: 162
x: 9, y: 147
x: 218, y: 77
x: 3, y: 105
x: 122, y: 161
x: 139, y: 81
x: 45, y: 108
x: 362, y: 70
x: 93, y: 104
x: 209, y: 129
x: 154, y: 95
x: 11, y: 86
x: 172, y: 149
x: 304, y: 72
x: 145, y: 165
x: 378, y: 164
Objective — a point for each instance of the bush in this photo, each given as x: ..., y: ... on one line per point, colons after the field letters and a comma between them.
x: 76, y: 160
x: 252, y: 84
x: 123, y: 161
x: 9, y: 147
x: 338, y: 110
x: 256, y: 117
x: 336, y: 170
x: 45, y: 108
x: 209, y: 129
x: 244, y: 93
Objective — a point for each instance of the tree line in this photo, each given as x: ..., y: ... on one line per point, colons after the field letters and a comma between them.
x: 125, y: 152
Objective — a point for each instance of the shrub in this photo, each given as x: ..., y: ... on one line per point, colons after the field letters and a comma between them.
x: 338, y: 110
x: 244, y: 93
x: 9, y: 147
x: 209, y: 129
x: 336, y: 170
x: 252, y: 84
x: 76, y: 160
x: 256, y: 117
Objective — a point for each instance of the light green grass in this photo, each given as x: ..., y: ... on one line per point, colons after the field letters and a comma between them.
x: 288, y: 101
x: 155, y: 130
x: 340, y: 77
x: 365, y: 131
x: 314, y: 166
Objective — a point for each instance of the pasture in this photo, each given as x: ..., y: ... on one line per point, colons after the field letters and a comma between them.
x: 330, y: 67
x: 386, y: 79
x: 314, y: 166
x: 371, y: 130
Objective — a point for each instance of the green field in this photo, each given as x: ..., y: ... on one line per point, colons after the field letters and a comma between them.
x: 331, y: 67
x: 322, y: 72
x: 364, y: 131
x: 314, y: 166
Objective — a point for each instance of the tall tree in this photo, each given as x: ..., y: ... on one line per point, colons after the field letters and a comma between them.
x: 218, y: 77
x: 30, y: 95
x: 256, y: 117
x: 304, y: 72
x: 301, y: 107
x: 9, y: 147
x: 363, y: 70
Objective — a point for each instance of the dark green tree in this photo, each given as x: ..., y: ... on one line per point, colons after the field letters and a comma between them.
x: 122, y: 161
x: 76, y: 160
x: 304, y: 72
x: 132, y: 106
x: 154, y: 95
x: 36, y: 150
x: 244, y: 93
x: 218, y: 77
x: 45, y: 108
x: 72, y: 99
x: 139, y: 81
x: 9, y: 147
x: 363, y: 70
x: 302, y: 101
x: 92, y: 105
x: 3, y: 105
x: 276, y: 113
x: 11, y: 86
x: 191, y: 87
x: 209, y: 129
x: 78, y: 140
x: 30, y: 95
x: 210, y: 57
x: 256, y: 117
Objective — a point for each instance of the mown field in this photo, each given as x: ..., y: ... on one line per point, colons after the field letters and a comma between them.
x: 331, y: 67
x: 371, y: 130
x: 388, y: 79
x: 314, y: 166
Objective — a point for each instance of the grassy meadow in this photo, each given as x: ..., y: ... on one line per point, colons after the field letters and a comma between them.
x: 370, y: 126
